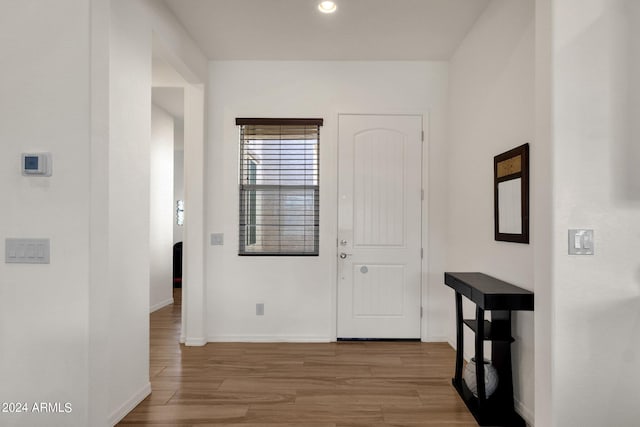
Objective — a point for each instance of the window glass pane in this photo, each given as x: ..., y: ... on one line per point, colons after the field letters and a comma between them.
x: 251, y: 219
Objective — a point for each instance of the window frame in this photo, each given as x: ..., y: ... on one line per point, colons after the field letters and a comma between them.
x: 248, y: 216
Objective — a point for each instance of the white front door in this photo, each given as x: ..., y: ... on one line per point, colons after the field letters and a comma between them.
x: 379, y: 226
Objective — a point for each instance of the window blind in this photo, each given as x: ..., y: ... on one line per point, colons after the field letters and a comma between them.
x: 279, y: 186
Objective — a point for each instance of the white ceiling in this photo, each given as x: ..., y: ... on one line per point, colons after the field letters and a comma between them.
x: 359, y: 30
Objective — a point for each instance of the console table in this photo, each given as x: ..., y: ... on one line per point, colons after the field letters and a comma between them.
x: 501, y: 298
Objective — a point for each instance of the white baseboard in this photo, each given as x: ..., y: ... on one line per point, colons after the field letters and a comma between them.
x: 524, y: 412
x: 160, y: 305
x: 436, y: 339
x: 195, y: 342
x: 270, y: 338
x: 451, y: 343
x: 128, y: 406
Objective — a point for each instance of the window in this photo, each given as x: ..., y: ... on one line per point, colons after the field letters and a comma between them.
x: 180, y: 212
x: 279, y: 186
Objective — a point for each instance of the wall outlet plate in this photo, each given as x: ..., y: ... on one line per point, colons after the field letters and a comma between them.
x: 217, y: 239
x: 260, y: 309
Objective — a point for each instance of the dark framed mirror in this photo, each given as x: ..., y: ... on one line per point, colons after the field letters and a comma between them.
x: 511, y: 195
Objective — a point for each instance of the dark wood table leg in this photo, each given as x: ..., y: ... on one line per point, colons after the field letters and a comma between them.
x: 482, y: 397
x: 459, y: 341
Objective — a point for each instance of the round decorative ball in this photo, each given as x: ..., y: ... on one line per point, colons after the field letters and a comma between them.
x: 490, y: 377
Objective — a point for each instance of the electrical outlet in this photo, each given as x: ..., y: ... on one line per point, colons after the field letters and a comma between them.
x: 217, y: 239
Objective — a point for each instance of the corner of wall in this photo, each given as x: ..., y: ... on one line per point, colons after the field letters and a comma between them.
x: 128, y: 406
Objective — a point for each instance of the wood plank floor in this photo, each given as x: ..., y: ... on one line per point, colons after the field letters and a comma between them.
x: 362, y: 384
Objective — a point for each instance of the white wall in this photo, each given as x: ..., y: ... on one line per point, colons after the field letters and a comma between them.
x: 542, y: 215
x: 134, y: 28
x: 161, y: 215
x: 44, y: 105
x: 298, y: 293
x: 596, y: 105
x: 129, y: 249
x: 491, y: 111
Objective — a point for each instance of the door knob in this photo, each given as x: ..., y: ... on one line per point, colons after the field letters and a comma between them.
x: 343, y: 255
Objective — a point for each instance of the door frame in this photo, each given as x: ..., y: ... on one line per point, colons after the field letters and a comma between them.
x: 424, y: 215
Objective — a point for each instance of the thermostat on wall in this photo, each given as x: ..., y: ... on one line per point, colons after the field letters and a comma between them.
x: 36, y: 164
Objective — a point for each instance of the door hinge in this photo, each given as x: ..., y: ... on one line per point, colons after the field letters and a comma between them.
x: 421, y: 312
x: 422, y: 192
x: 422, y: 136
x: 421, y: 253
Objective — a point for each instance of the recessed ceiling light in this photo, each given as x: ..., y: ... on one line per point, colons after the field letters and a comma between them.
x: 327, y: 7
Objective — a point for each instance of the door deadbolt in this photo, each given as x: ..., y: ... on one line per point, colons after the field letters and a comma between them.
x: 343, y: 255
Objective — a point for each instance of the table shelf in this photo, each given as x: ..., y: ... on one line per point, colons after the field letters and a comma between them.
x: 492, y: 332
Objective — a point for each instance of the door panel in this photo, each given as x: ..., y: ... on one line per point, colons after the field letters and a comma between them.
x: 378, y: 192
x: 380, y: 175
x: 378, y: 290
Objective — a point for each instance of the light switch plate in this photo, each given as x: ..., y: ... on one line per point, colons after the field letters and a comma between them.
x: 27, y: 251
x: 260, y: 309
x: 581, y: 242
